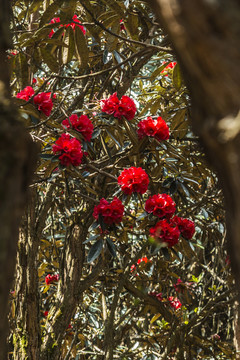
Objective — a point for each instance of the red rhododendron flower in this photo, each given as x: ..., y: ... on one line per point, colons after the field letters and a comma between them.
x: 133, y: 267
x: 119, y: 108
x: 26, y: 93
x: 165, y: 233
x: 53, y: 21
x: 69, y: 149
x: 112, y: 213
x: 72, y: 24
x: 109, y: 105
x: 122, y: 27
x: 43, y: 102
x: 82, y: 124
x: 186, y: 226
x: 49, y: 279
x: 228, y: 261
x: 156, y: 128
x: 45, y: 313
x: 54, y: 96
x: 178, y: 287
x: 143, y: 259
x: 156, y: 295
x: 133, y: 180
x: 216, y: 337
x: 174, y: 302
x: 171, y: 65
x: 161, y: 205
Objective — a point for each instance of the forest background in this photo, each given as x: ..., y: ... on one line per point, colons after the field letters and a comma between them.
x: 90, y: 284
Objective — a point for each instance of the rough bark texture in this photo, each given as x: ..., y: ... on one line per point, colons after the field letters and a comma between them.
x: 27, y: 339
x: 70, y: 290
x: 206, y: 38
x: 17, y: 158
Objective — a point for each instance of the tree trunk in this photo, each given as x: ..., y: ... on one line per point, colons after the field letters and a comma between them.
x: 17, y: 158
x: 206, y: 38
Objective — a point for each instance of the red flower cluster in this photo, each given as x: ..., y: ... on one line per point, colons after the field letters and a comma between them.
x: 81, y: 124
x: 144, y: 259
x: 181, y: 286
x: 46, y: 313
x: 216, y: 337
x: 122, y: 27
x: 174, y: 302
x: 171, y: 65
x: 156, y: 295
x: 69, y: 149
x: 186, y: 226
x: 72, y: 24
x: 178, y: 286
x: 49, y: 279
x: 156, y: 128
x: 133, y: 180
x: 42, y: 101
x: 228, y: 261
x: 53, y: 21
x: 165, y: 232
x: 161, y: 205
x: 119, y: 108
x: 112, y: 213
x: 26, y: 93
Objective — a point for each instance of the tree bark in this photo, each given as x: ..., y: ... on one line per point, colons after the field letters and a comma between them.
x: 17, y: 158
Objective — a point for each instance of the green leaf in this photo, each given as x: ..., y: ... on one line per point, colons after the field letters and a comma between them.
x: 185, y: 189
x: 30, y: 109
x: 68, y: 10
x: 50, y: 12
x: 92, y: 237
x: 46, y: 156
x: 115, y: 6
x: 107, y: 56
x: 95, y: 251
x: 111, y: 247
x: 81, y: 48
x: 67, y: 52
x: 35, y: 5
x: 114, y: 139
x: 158, y: 71
x: 179, y: 125
x: 96, y: 133
x: 50, y: 60
x: 177, y: 77
x: 165, y: 253
x: 22, y: 70
x: 131, y: 25
x: 112, y: 40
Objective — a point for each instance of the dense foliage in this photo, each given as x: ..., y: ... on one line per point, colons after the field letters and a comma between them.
x: 122, y: 248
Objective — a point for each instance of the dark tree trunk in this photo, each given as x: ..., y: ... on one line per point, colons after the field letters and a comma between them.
x: 206, y: 38
x: 17, y: 158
